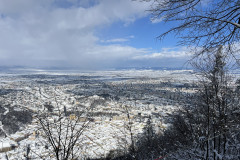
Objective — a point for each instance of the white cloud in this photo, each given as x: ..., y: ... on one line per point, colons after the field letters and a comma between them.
x: 17, y: 8
x: 45, y: 32
x: 118, y: 40
x: 166, y: 53
x: 157, y: 20
x: 115, y: 40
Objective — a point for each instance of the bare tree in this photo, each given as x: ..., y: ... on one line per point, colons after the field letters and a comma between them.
x: 213, y: 120
x: 59, y: 133
x: 62, y: 135
x: 200, y: 23
x: 214, y: 95
x: 129, y: 126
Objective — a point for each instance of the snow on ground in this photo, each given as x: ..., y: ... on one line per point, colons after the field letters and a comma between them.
x: 109, y: 131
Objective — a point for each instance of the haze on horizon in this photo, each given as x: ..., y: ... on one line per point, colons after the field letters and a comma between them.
x: 86, y: 34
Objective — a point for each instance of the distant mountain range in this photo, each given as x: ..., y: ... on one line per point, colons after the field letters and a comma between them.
x: 24, y: 68
x: 21, y: 69
x: 153, y: 68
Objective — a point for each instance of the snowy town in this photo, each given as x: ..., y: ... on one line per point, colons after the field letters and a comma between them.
x: 114, y: 108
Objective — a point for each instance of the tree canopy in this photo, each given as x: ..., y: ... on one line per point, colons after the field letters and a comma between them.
x: 204, y: 24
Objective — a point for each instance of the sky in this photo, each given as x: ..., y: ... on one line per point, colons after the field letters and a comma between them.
x: 85, y: 34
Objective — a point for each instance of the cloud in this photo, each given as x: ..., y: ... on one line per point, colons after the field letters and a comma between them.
x: 63, y: 32
x: 115, y: 40
x: 157, y: 20
x: 118, y: 40
x: 182, y: 52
